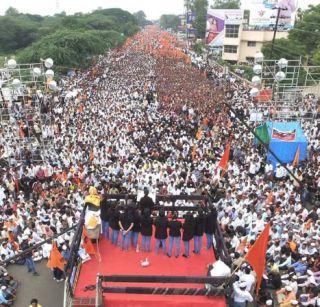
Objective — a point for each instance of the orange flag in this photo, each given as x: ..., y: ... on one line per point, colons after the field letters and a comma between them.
x: 296, y: 157
x: 225, y: 158
x: 256, y: 255
x: 87, y: 244
x: 55, y: 259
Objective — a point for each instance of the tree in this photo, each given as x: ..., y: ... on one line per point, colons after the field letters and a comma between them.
x: 283, y: 48
x: 71, y: 48
x: 226, y: 4
x: 11, y: 11
x: 169, y: 22
x: 199, y: 7
x: 141, y: 18
x: 307, y: 29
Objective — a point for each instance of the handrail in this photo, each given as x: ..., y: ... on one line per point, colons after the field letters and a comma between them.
x: 36, y: 246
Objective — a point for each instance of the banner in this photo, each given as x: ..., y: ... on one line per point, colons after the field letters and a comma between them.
x: 216, y: 21
x: 288, y: 136
x: 182, y: 23
x: 263, y: 13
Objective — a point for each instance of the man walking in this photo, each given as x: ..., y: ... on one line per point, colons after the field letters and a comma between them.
x: 28, y: 256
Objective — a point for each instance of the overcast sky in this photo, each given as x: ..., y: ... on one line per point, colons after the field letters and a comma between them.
x: 153, y: 8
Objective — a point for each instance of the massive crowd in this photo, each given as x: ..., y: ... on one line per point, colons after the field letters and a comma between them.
x: 150, y: 116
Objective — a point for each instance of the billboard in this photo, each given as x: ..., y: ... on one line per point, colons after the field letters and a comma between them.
x: 263, y: 13
x: 182, y: 23
x: 216, y: 21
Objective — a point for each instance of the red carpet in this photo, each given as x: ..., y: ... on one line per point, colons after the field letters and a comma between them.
x: 114, y: 261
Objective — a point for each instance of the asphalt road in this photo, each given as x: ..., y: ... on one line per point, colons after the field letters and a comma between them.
x: 43, y: 287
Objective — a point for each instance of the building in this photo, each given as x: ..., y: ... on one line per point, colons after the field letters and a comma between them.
x: 241, y: 43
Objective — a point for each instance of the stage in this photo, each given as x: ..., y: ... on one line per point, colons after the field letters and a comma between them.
x: 113, y: 261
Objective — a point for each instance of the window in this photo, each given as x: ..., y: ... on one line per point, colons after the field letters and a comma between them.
x: 230, y: 49
x: 251, y: 44
x: 250, y: 59
x: 232, y: 31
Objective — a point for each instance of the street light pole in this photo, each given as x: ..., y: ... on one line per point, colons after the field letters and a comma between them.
x: 276, y: 28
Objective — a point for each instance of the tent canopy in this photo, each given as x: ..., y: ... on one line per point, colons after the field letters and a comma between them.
x: 286, y: 150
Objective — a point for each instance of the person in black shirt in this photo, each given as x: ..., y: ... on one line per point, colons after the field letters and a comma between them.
x: 174, y: 235
x: 210, y: 226
x: 146, y: 202
x: 198, y: 232
x: 146, y: 230
x: 114, y: 224
x: 126, y: 225
x: 161, y: 224
x: 188, y: 231
x: 104, y: 215
x: 136, y: 228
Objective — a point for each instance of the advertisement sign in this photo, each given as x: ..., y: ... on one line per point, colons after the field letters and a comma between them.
x: 216, y: 21
x: 263, y: 13
x: 190, y: 17
x: 182, y: 23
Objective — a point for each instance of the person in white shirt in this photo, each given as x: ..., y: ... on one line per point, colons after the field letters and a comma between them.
x: 241, y: 295
x: 248, y: 278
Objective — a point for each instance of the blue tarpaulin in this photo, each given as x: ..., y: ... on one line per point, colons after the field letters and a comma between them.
x: 286, y: 150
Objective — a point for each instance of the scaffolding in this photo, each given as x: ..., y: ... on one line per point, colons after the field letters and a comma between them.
x: 23, y: 93
x: 286, y: 101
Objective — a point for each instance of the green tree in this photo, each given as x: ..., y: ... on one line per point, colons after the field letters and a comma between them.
x: 141, y: 18
x: 283, y: 48
x: 169, y: 22
x: 226, y: 4
x: 71, y: 48
x: 199, y: 7
x: 11, y: 11
x: 307, y: 29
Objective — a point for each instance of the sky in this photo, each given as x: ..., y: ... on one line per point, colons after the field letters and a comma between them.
x: 153, y: 8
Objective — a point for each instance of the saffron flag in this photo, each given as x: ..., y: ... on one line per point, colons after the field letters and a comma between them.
x: 262, y: 133
x: 225, y: 158
x: 256, y: 255
x: 55, y: 259
x: 87, y: 244
x: 296, y: 157
x: 284, y: 135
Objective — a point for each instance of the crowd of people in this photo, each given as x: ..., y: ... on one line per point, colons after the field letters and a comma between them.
x: 150, y: 116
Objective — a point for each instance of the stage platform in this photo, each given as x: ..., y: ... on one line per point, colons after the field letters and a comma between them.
x: 113, y: 261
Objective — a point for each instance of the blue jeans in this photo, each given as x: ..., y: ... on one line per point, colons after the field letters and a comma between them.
x: 115, y: 236
x: 175, y: 240
x: 30, y: 265
x: 186, y: 248
x: 105, y: 229
x: 209, y: 240
x: 197, y: 244
x: 163, y: 241
x: 134, y: 239
x: 125, y: 242
x: 145, y: 243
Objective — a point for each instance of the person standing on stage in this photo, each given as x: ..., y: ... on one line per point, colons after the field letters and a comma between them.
x: 161, y: 224
x: 146, y: 230
x: 136, y: 228
x: 114, y: 224
x: 188, y: 231
x: 126, y: 225
x: 210, y: 226
x: 174, y: 235
x: 104, y: 215
x: 198, y: 231
x: 146, y: 201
